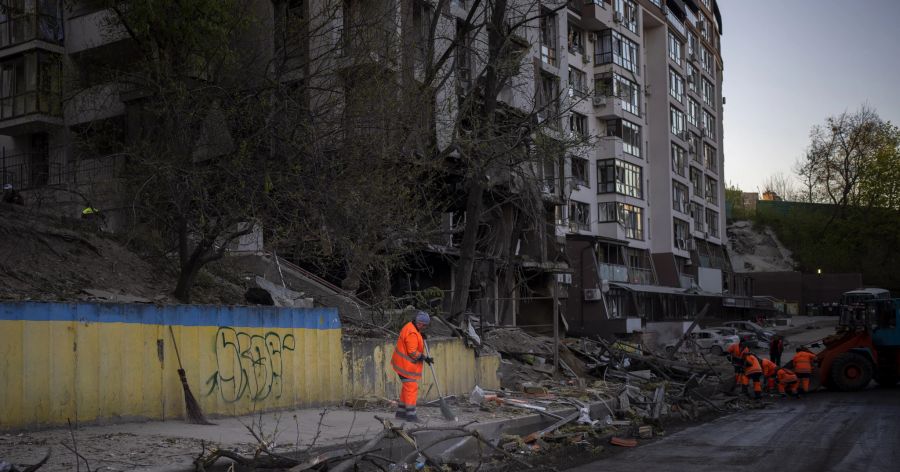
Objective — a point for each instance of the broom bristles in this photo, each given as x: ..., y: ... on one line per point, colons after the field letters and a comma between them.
x: 194, y: 412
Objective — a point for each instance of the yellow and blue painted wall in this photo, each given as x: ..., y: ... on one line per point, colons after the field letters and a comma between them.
x: 96, y: 362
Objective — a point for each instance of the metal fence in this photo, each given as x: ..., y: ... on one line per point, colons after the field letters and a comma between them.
x: 54, y: 168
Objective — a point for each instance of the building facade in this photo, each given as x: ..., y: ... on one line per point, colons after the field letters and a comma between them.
x: 633, y: 211
x: 646, y: 202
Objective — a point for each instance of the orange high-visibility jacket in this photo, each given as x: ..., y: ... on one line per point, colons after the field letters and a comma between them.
x: 769, y: 368
x: 785, y: 376
x: 751, y: 365
x: 803, y: 362
x: 737, y: 353
x: 408, y: 354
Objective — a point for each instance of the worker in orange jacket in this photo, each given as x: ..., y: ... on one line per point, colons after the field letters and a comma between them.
x: 752, y: 372
x: 735, y: 353
x: 787, y: 380
x: 769, y: 370
x: 803, y: 367
x: 408, y: 359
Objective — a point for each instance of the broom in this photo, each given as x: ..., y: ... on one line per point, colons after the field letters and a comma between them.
x: 194, y: 413
x: 449, y: 415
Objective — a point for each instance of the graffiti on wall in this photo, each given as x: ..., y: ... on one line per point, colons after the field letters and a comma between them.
x: 249, y: 365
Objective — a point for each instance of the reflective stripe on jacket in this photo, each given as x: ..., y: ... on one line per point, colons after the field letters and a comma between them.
x: 803, y: 362
x: 785, y: 376
x: 751, y: 365
x: 769, y: 368
x: 408, y: 354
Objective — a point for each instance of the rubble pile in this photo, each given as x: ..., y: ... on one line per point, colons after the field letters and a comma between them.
x: 617, y: 392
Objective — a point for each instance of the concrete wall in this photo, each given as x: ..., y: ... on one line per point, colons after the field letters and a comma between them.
x: 92, y: 362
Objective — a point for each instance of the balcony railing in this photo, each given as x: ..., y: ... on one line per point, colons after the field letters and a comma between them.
x: 35, y: 169
x: 613, y: 272
x: 675, y: 22
x: 640, y: 276
x: 31, y: 26
x: 26, y: 103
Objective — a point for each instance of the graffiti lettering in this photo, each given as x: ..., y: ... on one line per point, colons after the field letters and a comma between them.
x: 249, y: 365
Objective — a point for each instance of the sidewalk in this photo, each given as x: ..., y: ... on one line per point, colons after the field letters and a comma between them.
x: 173, y: 445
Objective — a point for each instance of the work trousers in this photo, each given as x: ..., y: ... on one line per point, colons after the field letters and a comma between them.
x: 409, y: 390
x: 776, y: 358
x: 804, y: 382
x: 791, y: 387
x: 739, y: 377
x: 756, y: 378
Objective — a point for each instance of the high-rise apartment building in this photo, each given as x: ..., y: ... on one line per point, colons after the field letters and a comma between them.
x: 634, y: 210
x: 646, y: 201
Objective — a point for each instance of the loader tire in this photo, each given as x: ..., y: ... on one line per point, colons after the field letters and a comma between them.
x: 851, y: 371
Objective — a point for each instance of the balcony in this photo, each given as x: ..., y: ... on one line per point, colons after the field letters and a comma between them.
x: 93, y: 30
x: 595, y: 15
x: 609, y: 147
x: 30, y: 100
x: 641, y: 276
x: 607, y: 107
x: 25, y: 31
x: 675, y: 22
x: 613, y: 272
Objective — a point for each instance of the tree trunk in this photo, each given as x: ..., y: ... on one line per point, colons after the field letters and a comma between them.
x: 463, y: 277
x: 186, y: 282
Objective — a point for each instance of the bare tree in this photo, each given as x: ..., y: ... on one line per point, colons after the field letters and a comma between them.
x: 840, y: 154
x: 781, y: 184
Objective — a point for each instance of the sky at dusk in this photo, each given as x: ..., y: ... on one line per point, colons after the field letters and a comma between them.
x: 791, y: 63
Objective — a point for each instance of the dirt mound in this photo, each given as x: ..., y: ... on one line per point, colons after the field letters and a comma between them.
x: 51, y: 258
x: 756, y: 250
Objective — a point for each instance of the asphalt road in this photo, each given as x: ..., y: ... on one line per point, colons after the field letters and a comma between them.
x: 825, y: 431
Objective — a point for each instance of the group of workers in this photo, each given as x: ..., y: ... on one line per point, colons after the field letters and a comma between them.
x: 750, y: 368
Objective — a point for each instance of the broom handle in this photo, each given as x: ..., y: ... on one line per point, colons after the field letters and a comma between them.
x: 433, y: 375
x: 177, y: 355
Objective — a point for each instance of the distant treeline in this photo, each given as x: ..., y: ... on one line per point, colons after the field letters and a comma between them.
x: 838, y: 239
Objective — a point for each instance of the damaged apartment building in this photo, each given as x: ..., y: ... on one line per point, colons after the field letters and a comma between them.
x: 619, y: 219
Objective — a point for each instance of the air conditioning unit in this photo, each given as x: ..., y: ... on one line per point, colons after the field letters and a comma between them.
x: 692, y: 57
x: 592, y: 294
x: 599, y: 101
x: 685, y: 135
x: 618, y: 17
